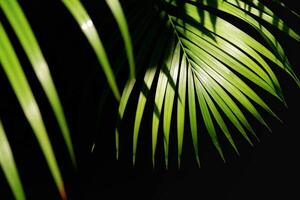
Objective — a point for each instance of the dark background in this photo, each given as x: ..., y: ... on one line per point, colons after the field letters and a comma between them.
x: 268, y: 170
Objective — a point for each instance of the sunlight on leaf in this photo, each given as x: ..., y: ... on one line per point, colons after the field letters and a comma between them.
x: 31, y: 47
x: 9, y: 167
x: 86, y: 24
x: 117, y: 11
x: 217, y: 60
x: 20, y: 85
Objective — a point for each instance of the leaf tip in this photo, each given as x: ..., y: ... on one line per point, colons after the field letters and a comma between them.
x: 166, y: 163
x: 133, y: 160
x: 179, y: 163
x: 198, y: 161
x: 63, y: 193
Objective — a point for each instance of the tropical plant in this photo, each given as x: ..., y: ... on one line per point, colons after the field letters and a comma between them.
x: 197, y: 61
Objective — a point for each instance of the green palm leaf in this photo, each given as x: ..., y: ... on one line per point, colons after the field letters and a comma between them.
x: 192, y: 113
x: 88, y: 28
x: 19, y: 23
x: 117, y: 11
x: 20, y: 85
x: 26, y: 37
x: 146, y: 85
x: 169, y: 99
x: 181, y: 106
x: 160, y: 94
x: 213, y: 60
x: 9, y: 167
x: 259, y: 10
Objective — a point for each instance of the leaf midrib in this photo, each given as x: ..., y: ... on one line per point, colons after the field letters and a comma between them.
x: 179, y: 40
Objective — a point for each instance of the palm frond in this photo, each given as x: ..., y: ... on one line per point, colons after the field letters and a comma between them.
x: 210, y: 60
x: 193, y: 57
x: 148, y: 79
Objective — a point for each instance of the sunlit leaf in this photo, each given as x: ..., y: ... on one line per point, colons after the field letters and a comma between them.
x: 9, y: 167
x: 122, y: 23
x: 88, y: 28
x: 219, y: 63
x: 21, y: 88
x: 31, y: 47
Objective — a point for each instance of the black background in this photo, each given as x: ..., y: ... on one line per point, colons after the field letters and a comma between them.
x: 269, y: 170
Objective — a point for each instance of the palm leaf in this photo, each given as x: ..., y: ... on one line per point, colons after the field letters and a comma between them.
x: 207, y: 118
x: 160, y: 94
x: 9, y: 167
x: 169, y: 99
x: 214, y: 61
x: 147, y: 82
x: 88, y: 28
x: 117, y: 11
x: 20, y: 85
x: 259, y: 10
x: 27, y: 39
x: 181, y: 105
x: 19, y: 23
x: 192, y: 113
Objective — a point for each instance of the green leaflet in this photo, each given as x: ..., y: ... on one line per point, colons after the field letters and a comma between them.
x: 148, y: 82
x: 159, y: 98
x: 233, y: 58
x: 31, y: 47
x: 222, y: 71
x: 19, y: 83
x: 216, y: 89
x: 267, y: 15
x: 215, y: 113
x: 201, y: 65
x: 137, y: 33
x: 191, y: 101
x: 220, y: 121
x: 169, y: 99
x: 117, y: 11
x: 192, y: 112
x: 261, y: 11
x: 208, y: 120
x: 243, y: 41
x: 223, y: 104
x: 182, y: 84
x: 125, y: 97
x: 86, y: 24
x: 270, y: 39
x: 236, y: 45
x: 9, y: 167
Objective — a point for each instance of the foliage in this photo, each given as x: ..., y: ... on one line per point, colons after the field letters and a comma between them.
x: 193, y: 56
